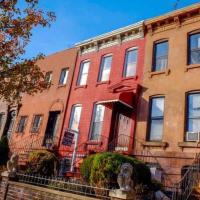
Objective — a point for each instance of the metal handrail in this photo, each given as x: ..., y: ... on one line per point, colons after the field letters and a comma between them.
x: 190, y: 180
x: 166, y: 180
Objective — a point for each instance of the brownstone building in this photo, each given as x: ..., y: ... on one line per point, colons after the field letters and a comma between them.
x: 40, y: 118
x: 168, y: 122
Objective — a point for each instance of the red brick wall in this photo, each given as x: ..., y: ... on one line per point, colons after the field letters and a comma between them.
x: 94, y: 92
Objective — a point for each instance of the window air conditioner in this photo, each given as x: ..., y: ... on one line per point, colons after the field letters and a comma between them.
x: 192, y: 137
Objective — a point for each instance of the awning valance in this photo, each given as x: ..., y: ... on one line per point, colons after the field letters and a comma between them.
x: 124, y: 98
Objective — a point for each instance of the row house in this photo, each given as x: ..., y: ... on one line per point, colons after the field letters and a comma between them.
x: 39, y: 121
x: 102, y: 105
x: 168, y: 121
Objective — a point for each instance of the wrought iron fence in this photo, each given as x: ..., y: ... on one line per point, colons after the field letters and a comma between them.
x: 190, y: 180
x: 65, y: 185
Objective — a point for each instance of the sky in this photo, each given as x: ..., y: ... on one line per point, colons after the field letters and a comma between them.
x: 78, y: 20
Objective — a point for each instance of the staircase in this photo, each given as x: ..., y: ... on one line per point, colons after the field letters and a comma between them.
x: 189, y: 185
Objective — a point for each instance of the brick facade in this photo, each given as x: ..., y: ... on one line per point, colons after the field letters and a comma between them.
x: 49, y: 101
x: 179, y: 78
x: 115, y: 43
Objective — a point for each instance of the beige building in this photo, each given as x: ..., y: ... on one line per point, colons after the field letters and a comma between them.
x: 168, y: 126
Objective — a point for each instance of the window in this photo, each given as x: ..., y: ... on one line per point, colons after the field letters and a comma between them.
x: 48, y: 77
x: 83, y: 73
x: 1, y: 119
x: 156, y: 118
x: 105, y: 68
x: 130, y: 62
x: 160, y: 60
x: 63, y: 76
x: 97, y: 122
x: 194, y: 48
x: 21, y: 124
x: 193, y: 112
x: 75, y: 117
x: 37, y: 119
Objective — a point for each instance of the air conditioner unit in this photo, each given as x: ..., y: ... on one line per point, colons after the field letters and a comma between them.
x: 193, y: 136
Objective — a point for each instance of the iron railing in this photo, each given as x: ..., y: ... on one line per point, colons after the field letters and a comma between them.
x: 122, y: 143
x: 190, y: 180
x: 62, y: 184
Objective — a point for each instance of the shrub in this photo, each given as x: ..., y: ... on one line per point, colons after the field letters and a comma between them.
x: 42, y: 162
x: 105, y: 167
x: 86, y: 168
x: 4, y: 150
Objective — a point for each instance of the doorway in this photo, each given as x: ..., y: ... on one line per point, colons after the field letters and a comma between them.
x: 52, y: 126
x: 120, y: 127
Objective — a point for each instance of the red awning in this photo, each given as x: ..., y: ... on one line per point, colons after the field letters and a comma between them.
x: 125, y: 98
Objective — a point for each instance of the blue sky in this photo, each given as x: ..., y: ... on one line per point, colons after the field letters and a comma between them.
x: 81, y: 19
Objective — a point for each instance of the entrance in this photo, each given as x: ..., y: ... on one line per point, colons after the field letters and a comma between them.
x: 121, y: 121
x: 51, y: 128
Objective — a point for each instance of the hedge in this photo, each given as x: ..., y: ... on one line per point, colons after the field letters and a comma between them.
x: 102, y: 169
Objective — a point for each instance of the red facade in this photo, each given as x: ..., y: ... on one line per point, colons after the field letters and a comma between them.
x: 118, y: 95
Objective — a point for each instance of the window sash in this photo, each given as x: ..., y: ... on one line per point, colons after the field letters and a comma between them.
x: 131, y: 64
x: 194, y: 48
x: 48, y: 77
x: 36, y: 123
x: 97, y: 122
x: 63, y: 76
x: 22, y: 124
x: 156, y: 118
x: 105, y: 68
x: 83, y: 74
x: 75, y: 118
x: 193, y: 112
x: 160, y: 61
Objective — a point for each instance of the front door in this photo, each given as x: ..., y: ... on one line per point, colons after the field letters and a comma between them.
x: 122, y: 128
x: 52, y: 126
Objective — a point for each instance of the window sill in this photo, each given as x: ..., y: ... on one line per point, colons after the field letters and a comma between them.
x: 155, y: 144
x: 102, y: 83
x: 192, y: 66
x: 166, y: 72
x: 130, y: 77
x: 94, y: 142
x: 60, y: 86
x: 189, y: 144
x: 80, y: 86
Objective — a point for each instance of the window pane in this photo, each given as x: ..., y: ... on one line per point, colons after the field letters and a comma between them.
x: 75, y: 118
x: 194, y: 105
x: 48, y: 77
x: 131, y: 63
x: 194, y: 48
x: 156, y: 118
x: 97, y: 121
x: 36, y: 123
x: 156, y: 129
x: 160, y: 56
x: 21, y: 124
x: 105, y: 68
x: 82, y: 79
x: 193, y: 125
x: 63, y: 76
x: 157, y: 107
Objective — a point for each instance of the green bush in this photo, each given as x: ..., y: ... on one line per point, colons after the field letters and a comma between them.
x: 4, y: 150
x: 42, y: 162
x: 86, y: 168
x: 103, y: 169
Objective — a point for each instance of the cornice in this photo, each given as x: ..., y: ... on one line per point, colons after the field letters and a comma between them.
x: 115, y: 37
x: 173, y: 20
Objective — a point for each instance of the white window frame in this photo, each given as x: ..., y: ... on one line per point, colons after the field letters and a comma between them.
x: 125, y: 75
x: 102, y: 68
x: 81, y: 74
